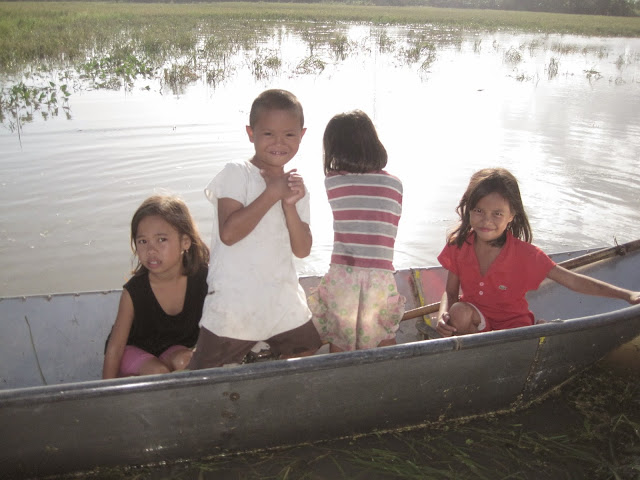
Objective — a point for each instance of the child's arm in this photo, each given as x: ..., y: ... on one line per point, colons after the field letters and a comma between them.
x: 590, y: 286
x: 449, y: 297
x: 119, y: 336
x: 299, y: 231
x: 235, y: 221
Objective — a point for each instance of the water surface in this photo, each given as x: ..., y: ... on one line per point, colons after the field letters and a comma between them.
x: 561, y: 112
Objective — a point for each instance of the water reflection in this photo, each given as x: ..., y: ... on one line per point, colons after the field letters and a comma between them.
x: 167, y: 117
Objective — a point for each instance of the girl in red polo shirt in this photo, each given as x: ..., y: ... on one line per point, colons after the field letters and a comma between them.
x: 490, y: 258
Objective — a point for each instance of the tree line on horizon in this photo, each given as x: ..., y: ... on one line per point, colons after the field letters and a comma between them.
x: 621, y: 8
x: 617, y: 8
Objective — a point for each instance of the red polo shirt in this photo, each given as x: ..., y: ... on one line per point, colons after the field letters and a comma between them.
x: 500, y: 294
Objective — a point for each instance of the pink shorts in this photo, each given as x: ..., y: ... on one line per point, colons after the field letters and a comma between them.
x: 134, y: 357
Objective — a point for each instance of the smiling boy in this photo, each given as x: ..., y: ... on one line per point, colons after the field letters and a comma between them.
x: 261, y: 221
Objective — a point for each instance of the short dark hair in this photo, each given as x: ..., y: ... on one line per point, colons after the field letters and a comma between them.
x: 351, y: 144
x: 275, y: 99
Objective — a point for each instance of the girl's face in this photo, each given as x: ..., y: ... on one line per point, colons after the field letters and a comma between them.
x: 490, y: 217
x: 159, y: 246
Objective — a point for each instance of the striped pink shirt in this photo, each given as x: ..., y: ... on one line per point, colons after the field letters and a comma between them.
x: 366, y: 211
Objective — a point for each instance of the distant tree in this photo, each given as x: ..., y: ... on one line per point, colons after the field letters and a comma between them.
x: 623, y: 8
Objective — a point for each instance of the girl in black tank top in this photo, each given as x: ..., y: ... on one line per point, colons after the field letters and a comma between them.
x: 157, y: 322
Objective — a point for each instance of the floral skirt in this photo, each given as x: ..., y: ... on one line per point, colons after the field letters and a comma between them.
x: 356, y: 308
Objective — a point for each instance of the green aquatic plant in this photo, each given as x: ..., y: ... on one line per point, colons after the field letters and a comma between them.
x: 121, y: 68
x: 178, y: 76
x: 513, y: 56
x: 217, y: 76
x: 340, y: 46
x: 265, y: 65
x: 552, y: 68
x: 20, y: 103
x: 593, y: 74
x: 68, y: 31
x: 420, y: 49
x: 533, y: 47
x: 116, y: 47
x: 384, y: 41
x: 310, y: 65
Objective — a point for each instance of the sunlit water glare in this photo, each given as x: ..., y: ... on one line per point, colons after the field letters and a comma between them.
x: 69, y: 187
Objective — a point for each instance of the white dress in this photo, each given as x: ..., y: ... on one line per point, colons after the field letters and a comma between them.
x: 256, y: 293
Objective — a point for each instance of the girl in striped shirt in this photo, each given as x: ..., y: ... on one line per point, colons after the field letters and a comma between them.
x: 357, y: 304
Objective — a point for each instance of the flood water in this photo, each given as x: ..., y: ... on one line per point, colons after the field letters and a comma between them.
x: 561, y: 112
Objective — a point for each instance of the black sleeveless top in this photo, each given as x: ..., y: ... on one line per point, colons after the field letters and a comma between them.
x: 153, y: 330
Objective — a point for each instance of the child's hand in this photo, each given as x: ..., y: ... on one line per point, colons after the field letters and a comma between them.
x: 277, y: 184
x: 634, y: 298
x: 296, y: 187
x: 443, y: 326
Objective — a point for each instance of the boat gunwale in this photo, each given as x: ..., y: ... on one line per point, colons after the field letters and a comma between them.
x: 50, y: 296
x: 94, y: 388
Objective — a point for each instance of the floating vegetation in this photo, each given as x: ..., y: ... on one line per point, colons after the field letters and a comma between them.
x: 216, y: 76
x: 513, y: 56
x: 420, y: 50
x: 385, y: 42
x: 20, y: 103
x: 264, y: 66
x: 522, y: 77
x: 552, y: 68
x: 429, y: 58
x: 124, y: 46
x: 340, y: 46
x: 593, y: 74
x: 120, y: 68
x: 534, y: 45
x: 178, y: 76
x: 310, y: 65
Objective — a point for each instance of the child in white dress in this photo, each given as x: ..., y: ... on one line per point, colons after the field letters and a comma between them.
x: 261, y: 221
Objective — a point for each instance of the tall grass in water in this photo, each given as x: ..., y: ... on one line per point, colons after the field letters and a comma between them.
x: 66, y: 31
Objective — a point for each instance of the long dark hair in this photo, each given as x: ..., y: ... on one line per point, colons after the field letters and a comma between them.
x: 351, y: 144
x: 176, y: 213
x: 483, y: 183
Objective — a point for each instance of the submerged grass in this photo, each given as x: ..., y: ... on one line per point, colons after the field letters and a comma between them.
x: 65, y: 31
x: 588, y: 429
x: 97, y: 45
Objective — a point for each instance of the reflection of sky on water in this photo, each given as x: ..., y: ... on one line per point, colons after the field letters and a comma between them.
x: 573, y: 142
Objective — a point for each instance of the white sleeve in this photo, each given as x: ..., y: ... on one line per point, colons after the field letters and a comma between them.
x: 229, y: 183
